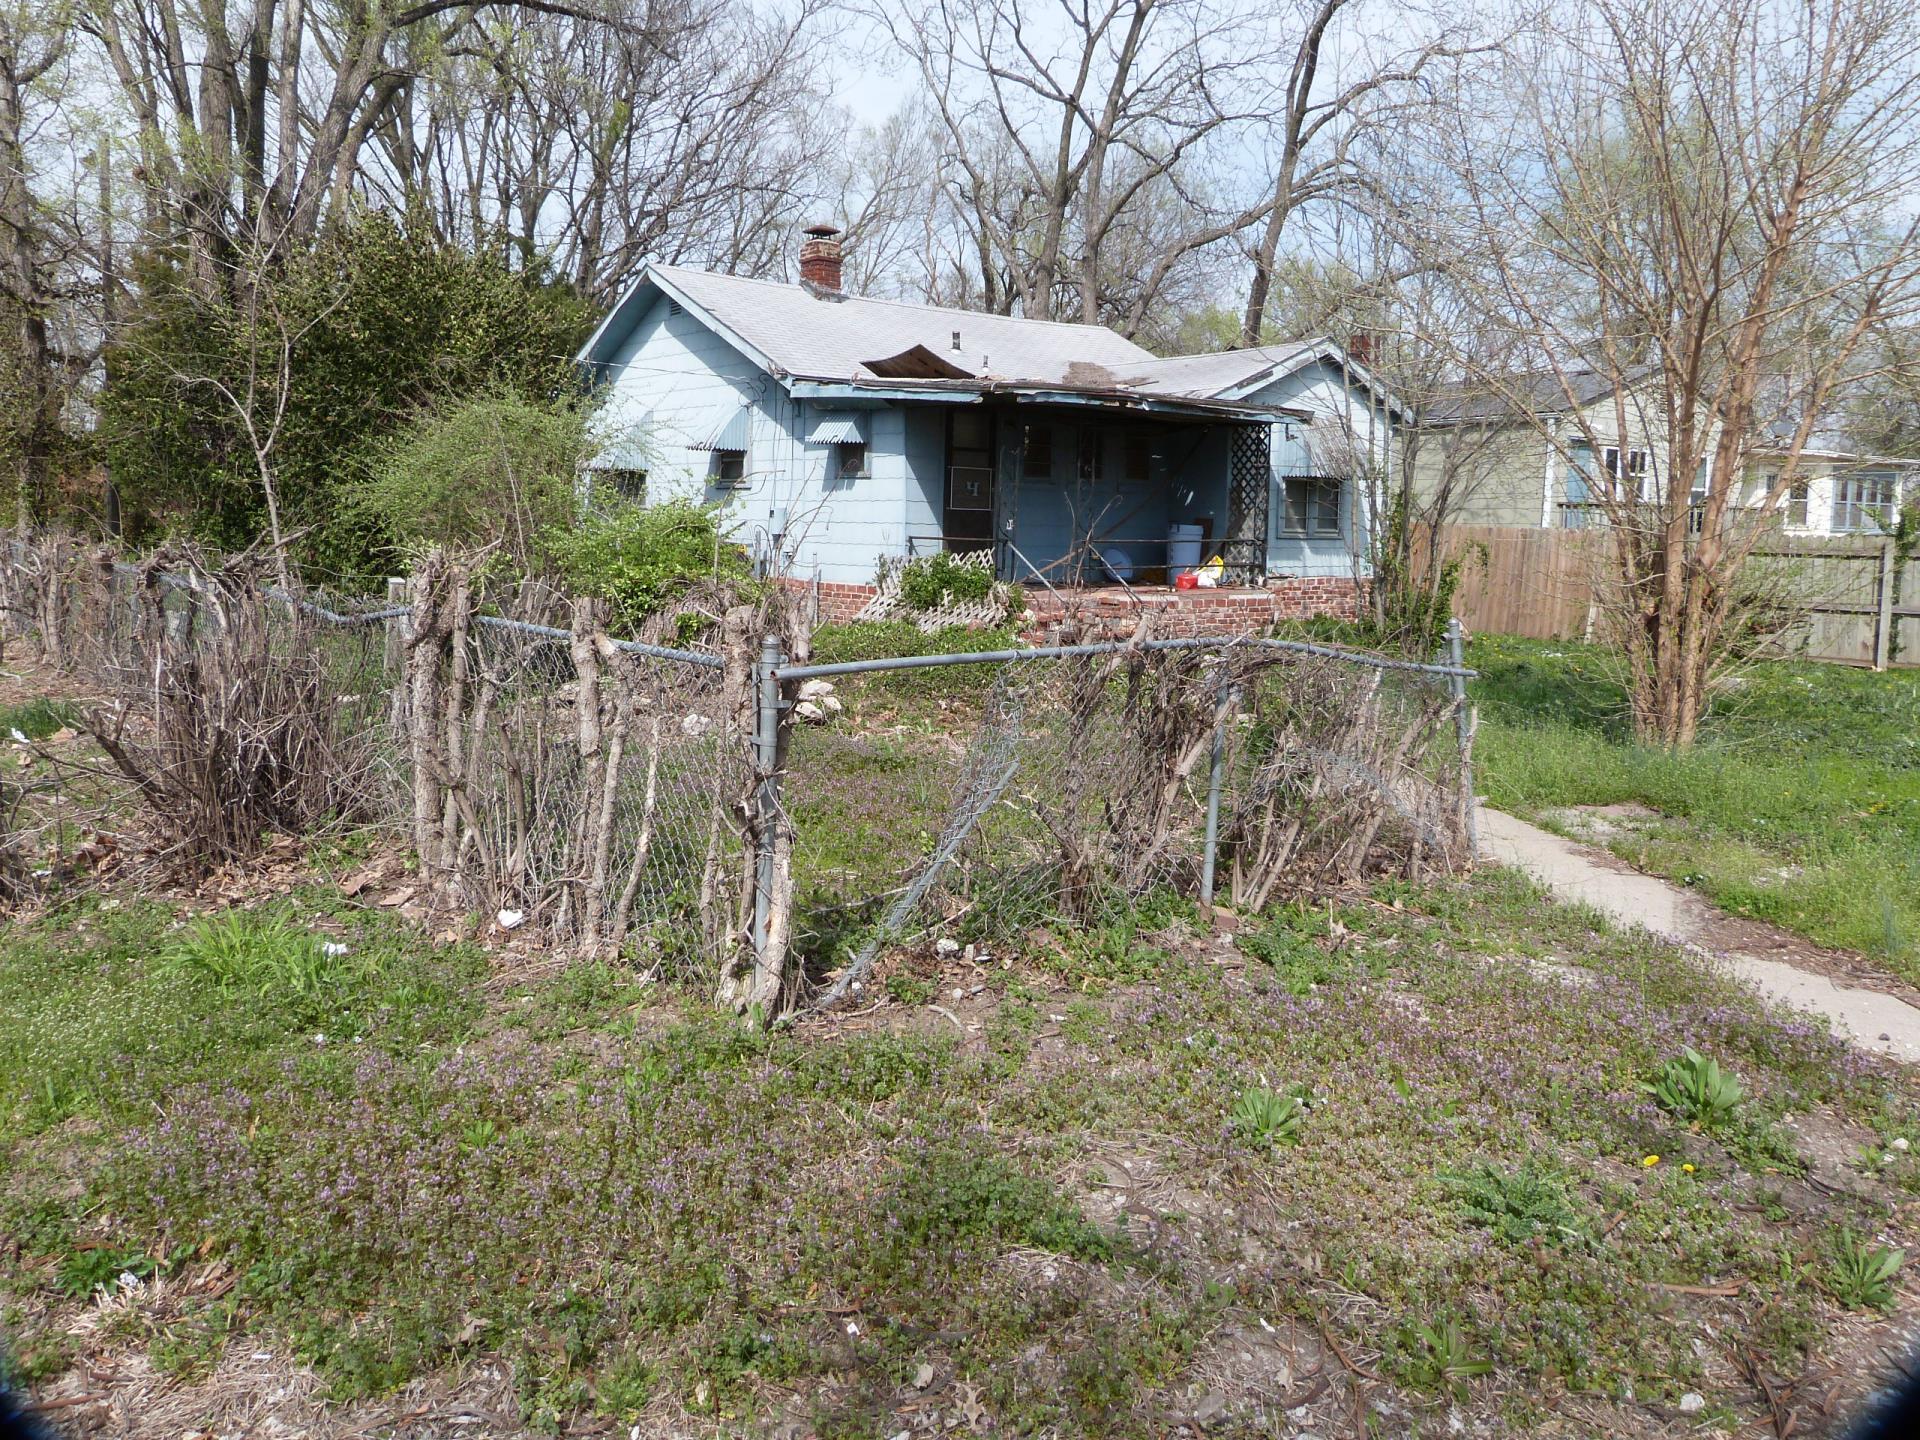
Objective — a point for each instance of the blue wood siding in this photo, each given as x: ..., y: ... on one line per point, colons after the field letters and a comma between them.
x: 674, y: 382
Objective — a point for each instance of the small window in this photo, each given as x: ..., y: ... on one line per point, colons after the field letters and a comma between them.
x: 1139, y: 456
x: 850, y: 460
x: 729, y: 465
x: 1635, y: 475
x: 1037, y: 453
x: 1312, y: 508
x: 627, y: 484
x: 1862, y: 502
x: 1799, y: 494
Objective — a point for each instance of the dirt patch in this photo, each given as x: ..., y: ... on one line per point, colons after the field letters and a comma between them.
x: 1603, y: 824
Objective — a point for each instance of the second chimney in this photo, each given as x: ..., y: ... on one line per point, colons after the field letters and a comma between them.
x: 820, y: 257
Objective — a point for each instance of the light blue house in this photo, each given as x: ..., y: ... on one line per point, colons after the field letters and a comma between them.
x: 842, y: 431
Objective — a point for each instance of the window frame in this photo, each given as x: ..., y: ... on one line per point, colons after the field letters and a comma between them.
x: 1863, y: 502
x: 1799, y: 503
x: 1639, y: 469
x: 860, y: 468
x: 723, y: 460
x: 1311, y: 488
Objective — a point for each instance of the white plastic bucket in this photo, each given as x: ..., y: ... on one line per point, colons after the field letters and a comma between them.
x: 1183, y: 550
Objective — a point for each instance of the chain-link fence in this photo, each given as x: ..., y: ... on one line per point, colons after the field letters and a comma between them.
x: 1064, y: 786
x: 726, y: 810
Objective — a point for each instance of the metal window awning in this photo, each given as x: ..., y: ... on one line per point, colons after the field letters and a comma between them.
x: 731, y: 434
x: 838, y: 430
x: 620, y: 455
x: 626, y: 450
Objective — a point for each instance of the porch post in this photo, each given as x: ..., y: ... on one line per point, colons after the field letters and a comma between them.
x: 1010, y: 455
x: 1249, y: 487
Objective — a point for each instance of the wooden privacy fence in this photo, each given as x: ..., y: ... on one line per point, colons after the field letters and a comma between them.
x: 1860, y: 602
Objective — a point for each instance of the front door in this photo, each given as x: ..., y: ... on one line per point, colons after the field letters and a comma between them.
x: 967, y: 522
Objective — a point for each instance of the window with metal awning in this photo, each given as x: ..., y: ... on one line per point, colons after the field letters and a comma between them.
x: 731, y: 434
x: 847, y: 434
x: 620, y: 466
x: 838, y: 430
x: 728, y: 441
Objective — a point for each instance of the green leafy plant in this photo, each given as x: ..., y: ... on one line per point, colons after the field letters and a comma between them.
x: 1696, y: 1089
x: 83, y: 1272
x: 1516, y: 1205
x: 931, y: 582
x: 908, y: 989
x: 38, y: 718
x: 1441, y: 1359
x: 1860, y: 1273
x: 494, y: 471
x: 640, y: 558
x: 1264, y: 1118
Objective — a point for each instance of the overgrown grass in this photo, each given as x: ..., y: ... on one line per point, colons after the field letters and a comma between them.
x: 887, y: 639
x: 642, y: 1205
x: 1800, y: 804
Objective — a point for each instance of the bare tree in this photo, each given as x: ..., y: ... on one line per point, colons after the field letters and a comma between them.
x: 252, y: 121
x: 685, y: 130
x: 1709, y: 209
x: 1328, y: 105
x: 41, y: 287
x: 1057, y: 124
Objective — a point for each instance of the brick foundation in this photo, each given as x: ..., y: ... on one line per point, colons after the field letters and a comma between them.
x: 837, y: 602
x: 1110, y: 608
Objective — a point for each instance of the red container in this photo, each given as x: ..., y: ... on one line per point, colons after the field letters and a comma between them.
x: 1186, y: 581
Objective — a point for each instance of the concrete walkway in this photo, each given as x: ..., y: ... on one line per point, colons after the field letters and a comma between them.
x: 1870, y: 1019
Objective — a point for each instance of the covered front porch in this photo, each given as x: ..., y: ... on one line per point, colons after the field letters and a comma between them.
x: 1072, y: 496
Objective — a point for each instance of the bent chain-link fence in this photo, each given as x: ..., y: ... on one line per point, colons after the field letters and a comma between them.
x: 726, y: 810
x: 1067, y: 788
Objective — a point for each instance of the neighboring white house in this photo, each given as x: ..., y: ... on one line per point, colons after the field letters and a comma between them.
x: 843, y: 431
x: 1554, y: 479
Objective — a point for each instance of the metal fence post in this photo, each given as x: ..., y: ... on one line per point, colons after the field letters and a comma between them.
x: 1216, y: 771
x: 1457, y: 681
x: 766, y: 756
x: 397, y: 625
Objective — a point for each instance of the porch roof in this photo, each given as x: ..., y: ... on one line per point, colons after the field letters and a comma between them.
x: 1113, y: 400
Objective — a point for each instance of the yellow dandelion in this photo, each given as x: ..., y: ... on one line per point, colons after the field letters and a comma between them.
x: 1650, y: 1162
x: 1687, y: 1168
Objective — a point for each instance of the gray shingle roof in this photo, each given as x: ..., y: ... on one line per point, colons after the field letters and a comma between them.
x: 1542, y: 391
x: 826, y: 337
x: 1202, y: 375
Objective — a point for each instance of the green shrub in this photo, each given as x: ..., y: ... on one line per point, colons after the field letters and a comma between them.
x: 931, y: 582
x: 493, y: 471
x: 640, y: 558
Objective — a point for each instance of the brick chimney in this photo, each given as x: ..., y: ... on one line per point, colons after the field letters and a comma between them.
x: 820, y: 256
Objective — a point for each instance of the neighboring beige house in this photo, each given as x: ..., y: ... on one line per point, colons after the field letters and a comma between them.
x: 1501, y: 469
